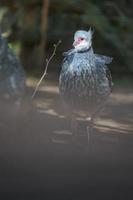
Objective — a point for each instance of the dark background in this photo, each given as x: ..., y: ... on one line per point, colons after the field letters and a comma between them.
x: 33, y: 26
x: 40, y: 160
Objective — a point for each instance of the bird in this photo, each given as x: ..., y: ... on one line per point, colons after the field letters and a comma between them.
x: 12, y: 75
x: 85, y: 81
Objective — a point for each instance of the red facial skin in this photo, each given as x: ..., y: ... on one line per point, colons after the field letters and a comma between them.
x: 78, y: 41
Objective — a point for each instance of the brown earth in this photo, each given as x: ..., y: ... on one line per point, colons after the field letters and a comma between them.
x: 41, y: 159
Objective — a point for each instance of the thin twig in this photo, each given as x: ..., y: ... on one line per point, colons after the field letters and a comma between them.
x: 45, y: 71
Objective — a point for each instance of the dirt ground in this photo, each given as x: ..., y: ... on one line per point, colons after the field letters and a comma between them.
x: 41, y: 159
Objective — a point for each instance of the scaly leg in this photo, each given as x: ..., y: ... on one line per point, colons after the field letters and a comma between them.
x: 74, y: 125
x: 90, y: 129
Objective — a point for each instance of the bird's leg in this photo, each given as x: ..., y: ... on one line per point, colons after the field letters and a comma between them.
x: 73, y: 125
x: 90, y: 129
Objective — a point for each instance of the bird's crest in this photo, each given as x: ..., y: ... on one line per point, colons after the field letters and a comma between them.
x: 90, y: 34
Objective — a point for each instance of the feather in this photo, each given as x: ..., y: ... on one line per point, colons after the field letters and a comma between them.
x: 103, y: 59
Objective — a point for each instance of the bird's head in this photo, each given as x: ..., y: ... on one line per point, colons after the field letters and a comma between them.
x: 82, y: 40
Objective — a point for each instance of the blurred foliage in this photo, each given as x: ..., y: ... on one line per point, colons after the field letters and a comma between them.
x: 15, y: 46
x: 21, y: 22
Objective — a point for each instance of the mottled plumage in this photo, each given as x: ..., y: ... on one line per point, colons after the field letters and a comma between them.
x: 85, y: 81
x: 12, y: 76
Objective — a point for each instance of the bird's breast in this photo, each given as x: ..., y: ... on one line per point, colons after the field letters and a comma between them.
x: 79, y: 66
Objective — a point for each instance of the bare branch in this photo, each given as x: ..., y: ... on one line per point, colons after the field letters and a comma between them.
x: 45, y: 71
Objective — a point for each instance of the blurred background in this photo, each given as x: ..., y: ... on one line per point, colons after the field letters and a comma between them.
x: 33, y: 26
x: 40, y: 158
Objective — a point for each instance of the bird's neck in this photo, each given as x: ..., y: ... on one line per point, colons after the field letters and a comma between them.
x: 85, y: 50
x: 85, y: 55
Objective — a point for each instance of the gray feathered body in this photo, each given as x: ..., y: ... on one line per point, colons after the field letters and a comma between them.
x: 85, y: 82
x: 12, y: 75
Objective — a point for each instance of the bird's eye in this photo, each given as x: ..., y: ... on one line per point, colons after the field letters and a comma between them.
x: 81, y: 38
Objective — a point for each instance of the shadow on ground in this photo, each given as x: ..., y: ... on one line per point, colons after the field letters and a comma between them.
x: 41, y: 159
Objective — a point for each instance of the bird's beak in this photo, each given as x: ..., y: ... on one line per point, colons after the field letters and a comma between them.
x: 76, y: 42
